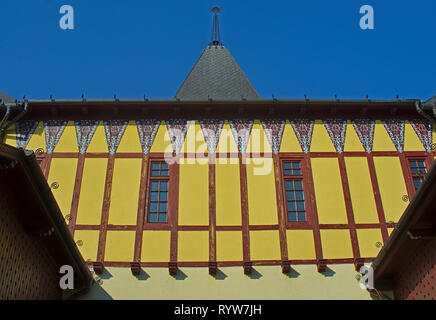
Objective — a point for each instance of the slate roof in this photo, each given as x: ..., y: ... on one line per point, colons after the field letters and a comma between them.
x: 216, y: 75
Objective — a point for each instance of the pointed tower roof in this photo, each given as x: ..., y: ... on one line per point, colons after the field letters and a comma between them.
x: 216, y: 74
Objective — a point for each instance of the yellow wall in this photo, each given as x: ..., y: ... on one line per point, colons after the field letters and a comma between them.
x: 301, y: 244
x: 130, y: 140
x: 89, y: 246
x: 11, y: 136
x: 155, y: 246
x: 194, y: 194
x: 262, y: 203
x: 258, y: 141
x: 120, y: 245
x: 226, y: 142
x: 63, y: 171
x: 68, y: 140
x: 229, y: 245
x: 196, y: 283
x: 92, y: 191
x: 328, y: 191
x: 123, y: 208
x: 228, y: 194
x: 37, y: 141
x: 321, y: 141
x: 361, y: 192
x: 289, y: 141
x: 336, y: 244
x: 368, y: 239
x: 193, y: 246
x: 352, y: 141
x: 98, y: 142
x: 264, y: 245
x: 411, y: 140
x: 392, y: 186
x: 382, y: 141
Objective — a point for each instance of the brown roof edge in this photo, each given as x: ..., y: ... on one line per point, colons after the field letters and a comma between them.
x: 399, y: 239
x: 34, y: 177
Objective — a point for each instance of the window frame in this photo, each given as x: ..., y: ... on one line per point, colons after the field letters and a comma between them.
x: 305, y: 181
x: 150, y: 179
x: 412, y: 175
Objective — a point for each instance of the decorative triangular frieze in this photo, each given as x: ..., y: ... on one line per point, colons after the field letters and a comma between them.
x: 395, y: 129
x: 25, y: 130
x: 303, y: 129
x: 241, y: 129
x: 114, y: 130
x: 365, y: 131
x: 211, y: 130
x: 53, y: 131
x: 274, y: 132
x: 147, y: 130
x: 336, y: 129
x: 423, y: 129
x: 177, y: 129
x: 85, y: 130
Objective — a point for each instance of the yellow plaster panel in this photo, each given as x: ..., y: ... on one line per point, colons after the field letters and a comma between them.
x: 193, y: 246
x: 434, y: 133
x: 226, y: 142
x: 194, y: 194
x: 98, y: 141
x: 68, y: 139
x: 321, y: 141
x: 262, y: 202
x: 63, y: 171
x: 92, y: 191
x: 336, y: 244
x: 228, y: 194
x: 37, y: 141
x: 289, y: 141
x: 329, y: 194
x: 264, y: 245
x: 123, y: 208
x: 361, y: 192
x: 352, y: 141
x: 229, y: 245
x: 130, y: 140
x: 120, y: 245
x: 258, y: 141
x: 392, y: 186
x: 194, y: 141
x: 155, y: 246
x: 162, y: 142
x: 11, y: 136
x: 301, y: 245
x: 367, y: 239
x: 390, y: 230
x: 411, y: 140
x: 89, y: 246
x: 382, y: 141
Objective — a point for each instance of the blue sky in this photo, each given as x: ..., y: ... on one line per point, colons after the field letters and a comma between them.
x: 287, y: 48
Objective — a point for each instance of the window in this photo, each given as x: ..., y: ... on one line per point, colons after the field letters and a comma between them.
x: 293, y: 182
x: 418, y: 170
x: 158, y: 194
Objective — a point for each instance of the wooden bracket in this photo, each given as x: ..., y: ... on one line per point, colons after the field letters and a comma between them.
x: 172, y: 267
x: 303, y: 110
x: 286, y: 266
x: 176, y: 110
x: 135, y: 267
x: 271, y: 110
x: 98, y: 267
x: 241, y: 110
x: 213, y: 266
x: 322, y: 265
x: 208, y: 110
x: 358, y: 263
x: 248, y: 267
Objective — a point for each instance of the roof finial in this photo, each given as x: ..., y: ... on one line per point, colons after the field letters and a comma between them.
x: 216, y: 38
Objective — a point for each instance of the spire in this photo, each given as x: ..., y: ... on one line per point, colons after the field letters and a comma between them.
x: 216, y: 38
x: 216, y: 75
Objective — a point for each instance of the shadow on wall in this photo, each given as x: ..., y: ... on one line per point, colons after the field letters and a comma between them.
x: 96, y: 292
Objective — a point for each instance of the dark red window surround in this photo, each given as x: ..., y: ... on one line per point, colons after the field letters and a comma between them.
x: 293, y: 179
x: 157, y: 211
x: 418, y: 171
